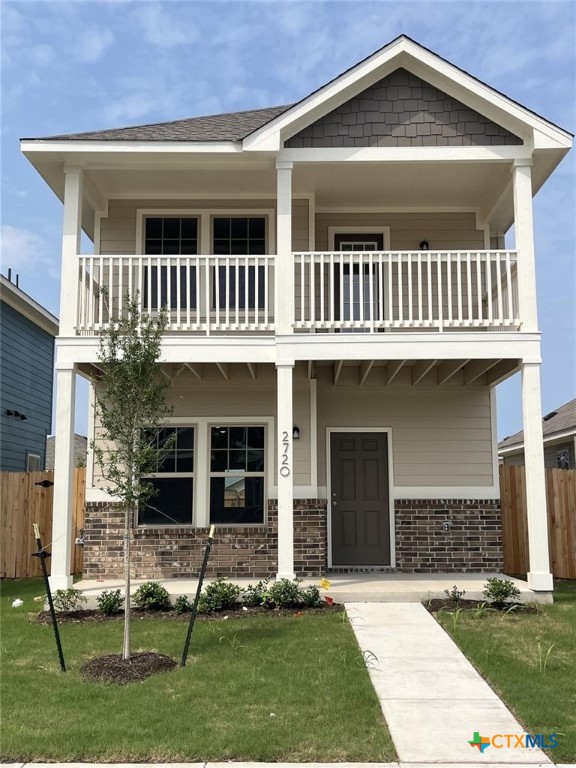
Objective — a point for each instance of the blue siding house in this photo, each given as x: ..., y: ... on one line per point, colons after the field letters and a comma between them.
x: 27, y: 333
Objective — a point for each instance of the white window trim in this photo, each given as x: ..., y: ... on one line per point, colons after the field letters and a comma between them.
x: 29, y: 455
x: 357, y: 230
x: 201, y: 496
x: 382, y: 430
x: 205, y: 217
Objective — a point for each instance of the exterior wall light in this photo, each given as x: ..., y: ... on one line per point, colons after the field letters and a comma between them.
x: 424, y: 245
x: 295, y: 433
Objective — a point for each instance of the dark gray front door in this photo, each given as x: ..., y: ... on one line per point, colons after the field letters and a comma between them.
x: 359, y: 499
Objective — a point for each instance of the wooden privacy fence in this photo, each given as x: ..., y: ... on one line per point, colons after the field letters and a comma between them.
x: 23, y: 502
x: 561, y: 497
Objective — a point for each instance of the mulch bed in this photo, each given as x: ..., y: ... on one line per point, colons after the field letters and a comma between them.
x: 438, y: 604
x: 115, y: 669
x: 86, y: 616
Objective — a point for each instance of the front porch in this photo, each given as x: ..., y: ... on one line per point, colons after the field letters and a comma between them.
x: 358, y: 587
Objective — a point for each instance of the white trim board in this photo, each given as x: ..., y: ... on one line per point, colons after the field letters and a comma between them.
x: 354, y: 229
x: 381, y: 430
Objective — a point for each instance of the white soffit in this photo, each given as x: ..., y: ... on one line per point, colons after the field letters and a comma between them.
x: 407, y: 54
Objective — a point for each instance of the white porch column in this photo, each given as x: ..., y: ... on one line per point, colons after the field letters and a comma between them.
x: 539, y: 576
x: 63, y: 476
x: 524, y: 227
x: 71, y: 234
x: 284, y: 276
x: 285, y: 470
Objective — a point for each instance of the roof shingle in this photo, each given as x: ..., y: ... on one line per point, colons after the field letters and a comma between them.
x: 232, y: 126
x: 564, y: 418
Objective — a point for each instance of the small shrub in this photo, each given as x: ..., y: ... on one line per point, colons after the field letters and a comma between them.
x: 68, y: 599
x: 283, y: 594
x: 500, y: 591
x: 219, y: 595
x: 455, y: 594
x: 110, y: 602
x: 254, y: 596
x: 183, y: 605
x: 310, y: 597
x: 152, y: 596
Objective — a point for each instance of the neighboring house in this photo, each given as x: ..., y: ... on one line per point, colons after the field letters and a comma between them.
x: 559, y: 431
x: 342, y: 306
x: 27, y: 333
x: 80, y: 451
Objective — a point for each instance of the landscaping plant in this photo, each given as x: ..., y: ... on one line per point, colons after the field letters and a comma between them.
x: 151, y: 596
x: 110, y: 602
x: 219, y: 595
x: 183, y: 605
x: 283, y: 593
x: 131, y: 409
x: 254, y: 596
x: 455, y: 594
x: 500, y: 591
x: 68, y: 599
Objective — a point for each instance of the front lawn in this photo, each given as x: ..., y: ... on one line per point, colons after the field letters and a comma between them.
x: 265, y: 688
x: 530, y: 661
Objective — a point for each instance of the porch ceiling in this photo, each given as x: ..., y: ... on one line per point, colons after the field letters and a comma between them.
x: 382, y: 373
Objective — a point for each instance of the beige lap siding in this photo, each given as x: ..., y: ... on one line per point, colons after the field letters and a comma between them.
x: 118, y: 229
x: 218, y: 399
x: 441, y: 436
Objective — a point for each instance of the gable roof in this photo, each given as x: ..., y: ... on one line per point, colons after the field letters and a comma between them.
x: 229, y: 126
x: 249, y: 126
x: 25, y: 305
x: 560, y: 420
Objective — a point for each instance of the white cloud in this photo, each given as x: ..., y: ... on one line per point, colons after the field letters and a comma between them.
x: 93, y: 43
x: 25, y: 251
x: 162, y: 30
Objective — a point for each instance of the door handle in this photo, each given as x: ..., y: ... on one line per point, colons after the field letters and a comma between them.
x: 334, y: 503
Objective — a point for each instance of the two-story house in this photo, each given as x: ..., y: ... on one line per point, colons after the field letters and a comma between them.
x: 27, y: 333
x: 342, y: 306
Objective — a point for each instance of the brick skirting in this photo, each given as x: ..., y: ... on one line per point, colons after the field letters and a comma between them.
x: 473, y: 542
x: 173, y: 552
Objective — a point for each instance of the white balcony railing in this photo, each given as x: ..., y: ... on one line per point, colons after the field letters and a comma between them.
x: 203, y: 294
x: 399, y: 290
x: 337, y: 291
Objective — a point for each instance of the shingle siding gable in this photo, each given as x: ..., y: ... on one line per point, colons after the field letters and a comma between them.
x: 401, y: 110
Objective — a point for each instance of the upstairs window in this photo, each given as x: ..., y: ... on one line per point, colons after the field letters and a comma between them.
x: 240, y: 236
x: 170, y: 286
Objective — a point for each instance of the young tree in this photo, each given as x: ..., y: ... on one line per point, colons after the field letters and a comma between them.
x: 131, y: 408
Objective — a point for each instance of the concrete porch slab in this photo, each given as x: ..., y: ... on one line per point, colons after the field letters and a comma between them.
x: 355, y: 587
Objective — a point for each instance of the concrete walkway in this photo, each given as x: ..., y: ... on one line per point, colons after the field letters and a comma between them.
x: 432, y: 698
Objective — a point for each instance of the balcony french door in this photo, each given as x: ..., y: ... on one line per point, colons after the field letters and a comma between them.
x: 355, y: 295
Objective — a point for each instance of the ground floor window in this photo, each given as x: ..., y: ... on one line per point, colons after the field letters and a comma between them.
x: 173, y: 480
x: 236, y: 475
x: 233, y: 486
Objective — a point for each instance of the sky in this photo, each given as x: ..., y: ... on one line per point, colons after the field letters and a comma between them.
x: 89, y: 64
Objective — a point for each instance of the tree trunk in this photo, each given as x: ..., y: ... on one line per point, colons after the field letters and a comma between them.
x: 127, y: 535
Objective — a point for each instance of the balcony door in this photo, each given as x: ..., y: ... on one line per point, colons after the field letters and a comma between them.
x: 355, y: 298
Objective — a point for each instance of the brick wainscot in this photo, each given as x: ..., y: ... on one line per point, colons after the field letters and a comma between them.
x: 174, y: 552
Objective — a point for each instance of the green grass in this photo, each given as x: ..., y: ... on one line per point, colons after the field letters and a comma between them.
x: 307, y: 671
x: 530, y: 661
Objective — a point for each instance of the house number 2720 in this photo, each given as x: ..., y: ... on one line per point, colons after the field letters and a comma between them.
x: 284, y: 466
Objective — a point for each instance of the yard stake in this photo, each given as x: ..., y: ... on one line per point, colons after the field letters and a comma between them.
x: 197, y: 598
x: 42, y: 555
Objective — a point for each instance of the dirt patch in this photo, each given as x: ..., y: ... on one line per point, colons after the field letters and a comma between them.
x: 115, y: 669
x: 438, y: 604
x: 81, y: 617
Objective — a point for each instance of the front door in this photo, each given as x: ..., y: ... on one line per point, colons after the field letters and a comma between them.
x: 360, y: 505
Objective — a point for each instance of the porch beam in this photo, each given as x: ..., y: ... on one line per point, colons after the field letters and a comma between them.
x: 392, y: 370
x: 539, y: 576
x: 338, y: 370
x: 71, y: 246
x: 477, y: 368
x: 501, y: 371
x: 63, y: 476
x: 446, y: 371
x: 421, y: 369
x: 224, y: 369
x: 481, y: 154
x: 194, y: 369
x: 284, y: 421
x: 524, y: 229
x: 365, y: 369
x: 252, y: 370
